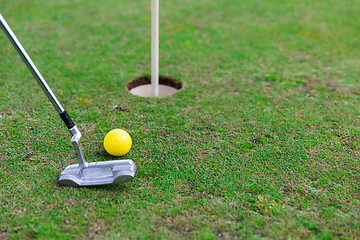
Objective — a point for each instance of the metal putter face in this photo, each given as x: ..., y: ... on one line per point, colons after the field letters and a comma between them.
x: 98, y: 173
x: 95, y: 173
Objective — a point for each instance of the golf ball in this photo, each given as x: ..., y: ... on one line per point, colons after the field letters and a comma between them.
x: 117, y: 142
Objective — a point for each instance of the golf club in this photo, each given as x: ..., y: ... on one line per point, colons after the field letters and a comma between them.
x: 83, y: 173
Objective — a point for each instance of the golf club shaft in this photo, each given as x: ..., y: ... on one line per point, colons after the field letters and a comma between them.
x: 29, y: 63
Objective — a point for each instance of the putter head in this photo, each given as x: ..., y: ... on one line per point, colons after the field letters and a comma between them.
x: 95, y: 173
x: 98, y: 173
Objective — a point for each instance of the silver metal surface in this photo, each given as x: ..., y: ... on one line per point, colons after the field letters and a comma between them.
x: 29, y: 63
x: 98, y: 173
x: 75, y: 140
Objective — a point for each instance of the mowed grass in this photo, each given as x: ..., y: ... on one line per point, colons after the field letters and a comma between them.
x: 262, y: 142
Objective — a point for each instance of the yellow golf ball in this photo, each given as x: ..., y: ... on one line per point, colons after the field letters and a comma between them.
x: 117, y: 142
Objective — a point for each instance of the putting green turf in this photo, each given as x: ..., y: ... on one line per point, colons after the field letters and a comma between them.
x: 263, y: 142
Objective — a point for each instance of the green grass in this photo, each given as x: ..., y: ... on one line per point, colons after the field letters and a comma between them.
x: 262, y: 143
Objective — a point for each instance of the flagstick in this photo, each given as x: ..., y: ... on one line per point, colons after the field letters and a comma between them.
x: 155, y: 47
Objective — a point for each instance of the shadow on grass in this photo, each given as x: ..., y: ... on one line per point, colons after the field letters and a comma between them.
x: 118, y: 187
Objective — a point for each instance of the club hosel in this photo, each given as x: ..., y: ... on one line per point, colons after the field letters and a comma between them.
x: 75, y: 140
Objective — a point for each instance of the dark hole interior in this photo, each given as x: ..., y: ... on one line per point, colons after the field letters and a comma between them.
x: 164, y: 80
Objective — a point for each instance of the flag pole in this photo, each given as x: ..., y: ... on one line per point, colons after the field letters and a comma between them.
x: 155, y: 47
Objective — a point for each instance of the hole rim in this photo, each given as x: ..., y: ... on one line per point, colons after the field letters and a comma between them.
x: 163, y: 80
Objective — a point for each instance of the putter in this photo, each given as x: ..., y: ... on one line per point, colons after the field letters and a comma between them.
x: 83, y: 173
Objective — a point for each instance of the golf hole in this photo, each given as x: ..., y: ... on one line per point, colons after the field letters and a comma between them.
x: 142, y: 86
